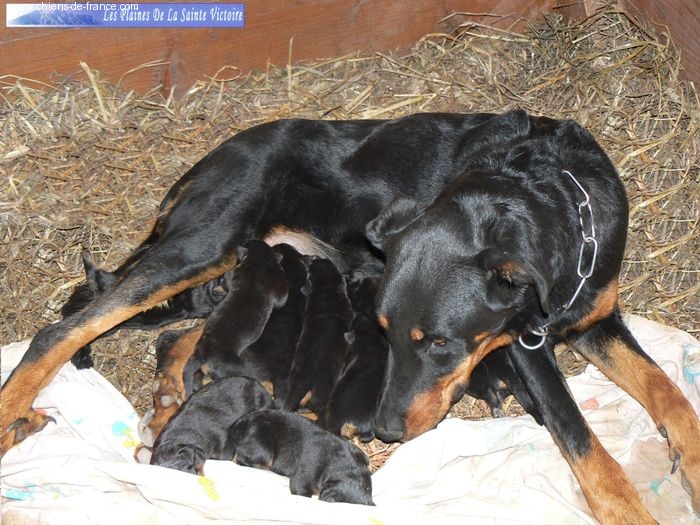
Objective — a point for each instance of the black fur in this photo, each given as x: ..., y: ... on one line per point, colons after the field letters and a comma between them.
x: 256, y: 287
x: 270, y: 357
x: 316, y: 461
x: 320, y: 352
x: 193, y: 303
x: 354, y: 398
x: 198, y: 431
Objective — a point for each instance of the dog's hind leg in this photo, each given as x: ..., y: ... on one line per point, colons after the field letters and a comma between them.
x: 611, y: 347
x: 165, y: 270
x: 610, y: 495
x: 173, y: 349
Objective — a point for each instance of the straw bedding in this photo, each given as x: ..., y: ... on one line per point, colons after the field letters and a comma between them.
x: 85, y: 162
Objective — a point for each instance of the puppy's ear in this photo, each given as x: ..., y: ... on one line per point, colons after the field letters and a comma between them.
x: 241, y: 254
x: 400, y: 213
x: 349, y: 337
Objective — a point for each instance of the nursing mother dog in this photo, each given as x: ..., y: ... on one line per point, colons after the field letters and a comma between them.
x: 499, y: 233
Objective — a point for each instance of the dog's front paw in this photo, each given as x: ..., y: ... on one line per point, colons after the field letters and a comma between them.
x: 22, y: 427
x: 684, y: 452
x: 689, y: 462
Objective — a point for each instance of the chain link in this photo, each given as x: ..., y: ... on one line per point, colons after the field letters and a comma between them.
x: 583, y: 270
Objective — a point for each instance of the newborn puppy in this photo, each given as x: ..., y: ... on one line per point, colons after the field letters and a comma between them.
x: 256, y: 287
x: 316, y: 461
x: 198, y: 430
x: 354, y: 398
x: 270, y: 357
x: 320, y: 352
x: 494, y: 379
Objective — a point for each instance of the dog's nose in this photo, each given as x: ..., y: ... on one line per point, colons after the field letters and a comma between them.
x: 388, y: 431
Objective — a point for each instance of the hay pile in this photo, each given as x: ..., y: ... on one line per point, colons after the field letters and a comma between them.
x: 86, y: 163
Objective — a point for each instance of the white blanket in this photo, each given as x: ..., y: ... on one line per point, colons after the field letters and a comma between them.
x: 81, y: 470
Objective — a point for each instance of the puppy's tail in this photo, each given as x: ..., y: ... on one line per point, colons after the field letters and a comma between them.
x: 189, y: 373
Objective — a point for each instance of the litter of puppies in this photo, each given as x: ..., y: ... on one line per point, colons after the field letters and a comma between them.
x: 328, y: 353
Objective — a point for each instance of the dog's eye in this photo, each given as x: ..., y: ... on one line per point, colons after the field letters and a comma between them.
x: 439, y: 341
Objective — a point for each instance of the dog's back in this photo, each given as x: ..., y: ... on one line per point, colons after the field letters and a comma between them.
x: 354, y: 398
x: 198, y: 429
x: 316, y: 461
x: 255, y: 288
x: 320, y: 352
x: 270, y: 357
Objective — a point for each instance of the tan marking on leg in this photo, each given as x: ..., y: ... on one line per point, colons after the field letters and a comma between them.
x: 169, y: 379
x: 20, y: 390
x: 165, y: 293
x: 603, y: 305
x: 608, y: 492
x: 664, y: 402
x: 312, y: 416
x: 429, y: 407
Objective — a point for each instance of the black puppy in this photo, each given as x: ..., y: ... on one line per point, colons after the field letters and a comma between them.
x: 494, y: 379
x: 316, y: 461
x: 354, y: 398
x: 193, y: 303
x: 320, y: 352
x: 270, y: 357
x: 198, y: 430
x: 256, y: 287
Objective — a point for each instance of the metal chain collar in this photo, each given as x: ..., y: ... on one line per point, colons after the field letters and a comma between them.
x: 584, y: 271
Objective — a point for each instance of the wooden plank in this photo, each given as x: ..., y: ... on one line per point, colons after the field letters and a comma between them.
x: 320, y: 29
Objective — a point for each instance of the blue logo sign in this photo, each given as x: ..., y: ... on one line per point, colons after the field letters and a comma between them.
x: 94, y: 14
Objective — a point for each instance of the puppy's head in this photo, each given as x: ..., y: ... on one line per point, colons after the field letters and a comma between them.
x: 462, y: 278
x: 178, y: 456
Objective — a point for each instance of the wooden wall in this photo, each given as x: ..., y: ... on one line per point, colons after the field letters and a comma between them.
x: 319, y: 28
x: 680, y: 18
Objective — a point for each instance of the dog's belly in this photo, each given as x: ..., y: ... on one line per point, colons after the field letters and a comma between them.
x: 304, y: 243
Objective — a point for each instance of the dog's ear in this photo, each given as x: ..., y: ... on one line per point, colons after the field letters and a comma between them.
x: 543, y: 284
x: 509, y: 271
x: 400, y: 213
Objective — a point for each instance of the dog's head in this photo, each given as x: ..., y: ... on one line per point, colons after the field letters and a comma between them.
x: 465, y: 274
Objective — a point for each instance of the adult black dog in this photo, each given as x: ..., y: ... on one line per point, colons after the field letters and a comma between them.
x: 482, y: 219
